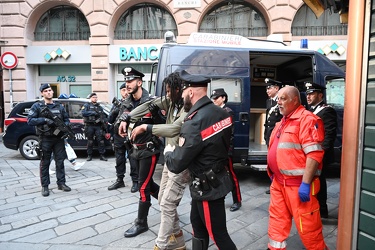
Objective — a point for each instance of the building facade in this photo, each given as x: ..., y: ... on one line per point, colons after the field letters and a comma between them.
x: 81, y: 46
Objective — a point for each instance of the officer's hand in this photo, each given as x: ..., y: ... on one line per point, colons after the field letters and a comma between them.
x: 304, y: 192
x: 169, y: 148
x: 137, y: 130
x: 48, y: 121
x: 122, y: 129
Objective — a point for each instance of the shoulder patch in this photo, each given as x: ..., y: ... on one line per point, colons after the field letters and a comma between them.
x: 191, y: 116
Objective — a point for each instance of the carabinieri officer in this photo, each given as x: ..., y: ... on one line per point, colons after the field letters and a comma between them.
x: 203, y: 149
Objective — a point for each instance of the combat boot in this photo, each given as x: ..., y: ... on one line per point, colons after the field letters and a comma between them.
x: 45, y: 191
x: 89, y: 158
x: 135, y: 187
x: 199, y: 243
x: 118, y: 184
x: 140, y: 224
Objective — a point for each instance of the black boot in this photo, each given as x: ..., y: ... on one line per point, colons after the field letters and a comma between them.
x: 135, y: 187
x: 199, y: 243
x: 155, y: 194
x: 45, y: 191
x: 140, y: 224
x: 102, y: 158
x: 89, y: 158
x: 118, y: 184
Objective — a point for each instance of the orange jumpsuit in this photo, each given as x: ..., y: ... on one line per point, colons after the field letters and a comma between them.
x: 293, y: 139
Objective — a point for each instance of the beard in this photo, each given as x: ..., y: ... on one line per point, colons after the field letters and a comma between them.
x: 187, y: 103
x: 134, y: 90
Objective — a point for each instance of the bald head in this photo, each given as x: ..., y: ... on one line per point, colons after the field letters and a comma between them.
x: 289, y: 100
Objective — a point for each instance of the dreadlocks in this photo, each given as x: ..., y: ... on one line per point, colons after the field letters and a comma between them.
x: 174, y: 82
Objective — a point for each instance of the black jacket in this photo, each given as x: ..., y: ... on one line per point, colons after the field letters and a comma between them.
x: 146, y: 137
x: 203, y: 146
x: 329, y: 116
x: 272, y: 115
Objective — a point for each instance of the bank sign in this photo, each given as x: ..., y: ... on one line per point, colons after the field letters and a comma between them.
x: 141, y: 53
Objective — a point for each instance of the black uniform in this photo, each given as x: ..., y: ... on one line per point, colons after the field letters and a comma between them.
x: 93, y: 117
x: 119, y: 143
x: 203, y: 149
x: 329, y: 116
x: 236, y: 192
x: 272, y: 116
x: 145, y: 152
x: 143, y: 156
x: 49, y: 140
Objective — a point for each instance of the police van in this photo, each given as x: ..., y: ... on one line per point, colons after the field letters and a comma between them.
x: 240, y: 66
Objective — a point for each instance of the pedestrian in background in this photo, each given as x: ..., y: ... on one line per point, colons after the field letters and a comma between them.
x: 272, y: 112
x: 294, y: 164
x: 172, y: 186
x: 315, y: 99
x: 220, y: 98
x: 203, y: 149
x: 49, y: 140
x: 93, y: 117
x: 119, y: 141
x: 144, y: 153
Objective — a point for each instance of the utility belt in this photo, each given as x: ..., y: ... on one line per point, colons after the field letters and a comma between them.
x: 208, y: 179
x: 93, y: 123
x: 149, y: 145
x: 211, y: 185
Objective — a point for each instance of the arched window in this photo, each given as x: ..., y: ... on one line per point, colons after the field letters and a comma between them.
x: 145, y: 21
x: 328, y: 24
x: 238, y: 19
x: 62, y: 23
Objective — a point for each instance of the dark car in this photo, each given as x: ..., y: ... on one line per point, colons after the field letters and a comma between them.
x: 19, y: 135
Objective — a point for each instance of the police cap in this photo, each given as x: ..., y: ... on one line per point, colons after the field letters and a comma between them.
x: 218, y: 92
x: 131, y: 73
x: 193, y: 80
x: 311, y: 87
x: 123, y: 86
x: 91, y: 95
x: 44, y: 86
x: 271, y: 82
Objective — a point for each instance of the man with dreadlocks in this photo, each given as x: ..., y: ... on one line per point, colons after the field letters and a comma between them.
x: 172, y: 185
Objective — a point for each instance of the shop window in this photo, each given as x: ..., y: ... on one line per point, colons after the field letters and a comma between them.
x: 237, y: 19
x: 145, y: 21
x: 62, y: 23
x: 80, y: 90
x: 305, y: 23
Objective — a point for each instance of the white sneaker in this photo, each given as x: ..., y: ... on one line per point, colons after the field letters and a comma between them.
x: 51, y: 171
x: 77, y: 165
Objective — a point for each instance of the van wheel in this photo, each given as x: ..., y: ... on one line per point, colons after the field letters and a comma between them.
x: 29, y: 147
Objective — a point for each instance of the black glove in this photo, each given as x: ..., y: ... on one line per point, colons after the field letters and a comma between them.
x: 48, y: 121
x: 156, y: 114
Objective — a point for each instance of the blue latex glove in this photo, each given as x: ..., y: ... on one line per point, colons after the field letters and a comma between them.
x: 304, y: 192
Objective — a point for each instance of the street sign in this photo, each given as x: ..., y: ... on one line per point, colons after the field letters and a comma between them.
x: 9, y: 60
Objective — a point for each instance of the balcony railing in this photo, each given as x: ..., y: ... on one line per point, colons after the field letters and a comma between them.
x: 61, y: 36
x: 334, y: 30
x: 246, y: 32
x: 142, y: 34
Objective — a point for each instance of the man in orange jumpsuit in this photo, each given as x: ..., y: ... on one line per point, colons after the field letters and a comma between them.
x: 294, y: 165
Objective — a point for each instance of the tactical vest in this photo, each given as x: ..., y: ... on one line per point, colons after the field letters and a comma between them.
x: 92, y: 119
x: 45, y: 129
